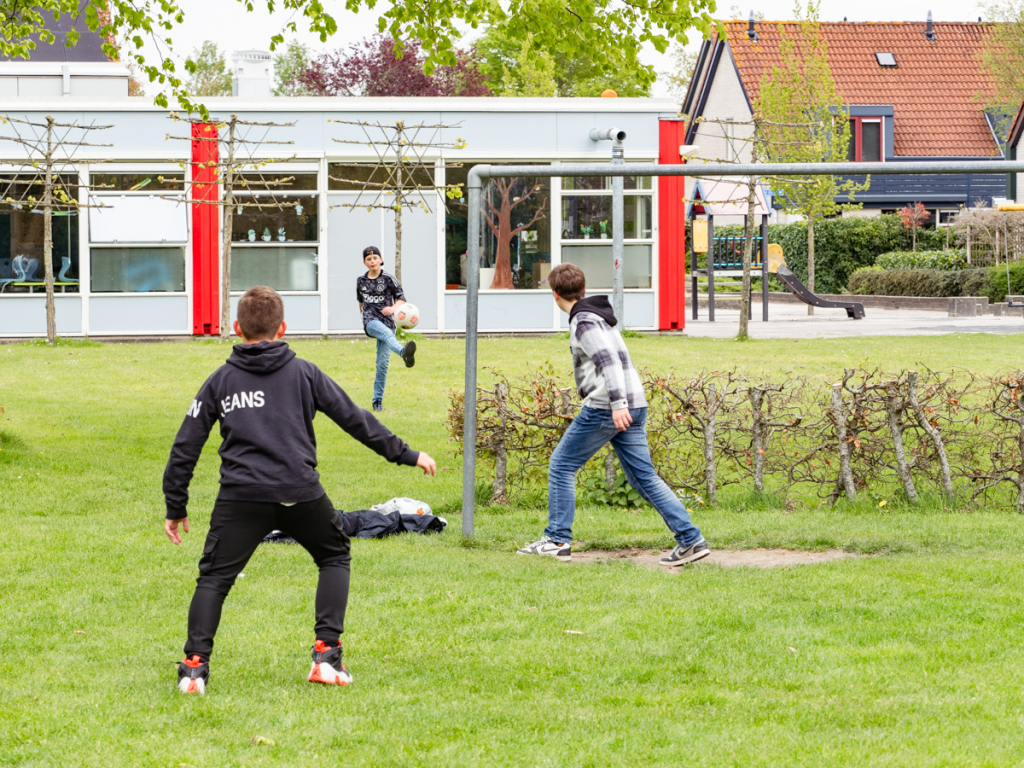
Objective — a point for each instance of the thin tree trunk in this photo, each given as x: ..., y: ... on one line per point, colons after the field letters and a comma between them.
x: 932, y: 432
x: 845, y: 463
x: 399, y: 204
x: 892, y: 411
x: 757, y: 444
x: 499, y: 493
x: 748, y: 245
x: 51, y: 311
x: 609, y: 468
x: 810, y: 260
x: 709, y: 445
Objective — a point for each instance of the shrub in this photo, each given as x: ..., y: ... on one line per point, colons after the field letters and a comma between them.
x: 842, y: 245
x: 920, y: 282
x: 955, y: 258
x: 998, y: 288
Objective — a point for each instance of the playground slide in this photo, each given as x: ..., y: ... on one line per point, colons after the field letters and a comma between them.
x: 854, y: 309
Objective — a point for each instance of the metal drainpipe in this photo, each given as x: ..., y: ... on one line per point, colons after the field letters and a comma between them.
x: 617, y: 230
x: 616, y: 137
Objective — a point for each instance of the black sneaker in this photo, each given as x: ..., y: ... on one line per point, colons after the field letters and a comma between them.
x: 681, y: 555
x: 378, y: 405
x: 327, y: 666
x: 409, y: 354
x: 192, y: 675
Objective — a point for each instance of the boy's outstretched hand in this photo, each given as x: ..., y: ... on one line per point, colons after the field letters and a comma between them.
x: 428, y: 465
x: 171, y: 529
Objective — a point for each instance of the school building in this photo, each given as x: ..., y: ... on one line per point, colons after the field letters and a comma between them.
x: 140, y: 256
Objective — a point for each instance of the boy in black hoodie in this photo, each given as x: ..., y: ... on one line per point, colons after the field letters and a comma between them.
x: 614, y: 411
x: 265, y: 399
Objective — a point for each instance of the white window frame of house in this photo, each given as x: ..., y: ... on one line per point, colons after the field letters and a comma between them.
x: 947, y: 212
x: 729, y: 133
x: 154, y: 169
x: 305, y: 168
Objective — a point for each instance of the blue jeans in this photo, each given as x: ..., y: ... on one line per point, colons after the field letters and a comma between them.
x: 386, y: 344
x: 589, y: 431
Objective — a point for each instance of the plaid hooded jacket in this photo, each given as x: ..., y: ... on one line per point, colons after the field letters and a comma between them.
x: 605, y: 376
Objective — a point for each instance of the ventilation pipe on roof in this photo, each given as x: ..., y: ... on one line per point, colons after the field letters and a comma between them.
x: 929, y: 33
x: 751, y: 32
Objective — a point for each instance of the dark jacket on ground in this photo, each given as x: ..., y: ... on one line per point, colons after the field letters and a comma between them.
x: 265, y: 399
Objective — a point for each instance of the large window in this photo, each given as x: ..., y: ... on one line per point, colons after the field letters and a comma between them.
x: 865, y: 140
x: 516, y: 229
x: 138, y: 231
x: 587, y: 217
x: 22, y: 267
x: 275, y: 231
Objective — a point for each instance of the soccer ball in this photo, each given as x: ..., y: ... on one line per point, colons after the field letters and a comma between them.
x: 407, y: 316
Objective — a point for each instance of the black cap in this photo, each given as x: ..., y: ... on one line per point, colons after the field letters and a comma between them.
x: 370, y: 249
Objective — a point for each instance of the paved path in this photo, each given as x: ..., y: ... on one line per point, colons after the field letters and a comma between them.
x: 790, y: 321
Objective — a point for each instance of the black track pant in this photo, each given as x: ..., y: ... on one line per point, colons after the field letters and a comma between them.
x: 236, y: 529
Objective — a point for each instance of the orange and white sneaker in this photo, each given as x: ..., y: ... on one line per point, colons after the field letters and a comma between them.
x: 327, y: 666
x: 192, y: 675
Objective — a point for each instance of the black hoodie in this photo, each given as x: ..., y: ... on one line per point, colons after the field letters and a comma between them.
x: 599, y: 305
x: 265, y: 399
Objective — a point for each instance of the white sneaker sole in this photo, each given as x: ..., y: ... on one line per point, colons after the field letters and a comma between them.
x: 555, y: 554
x: 186, y: 685
x: 327, y: 675
x: 691, y: 559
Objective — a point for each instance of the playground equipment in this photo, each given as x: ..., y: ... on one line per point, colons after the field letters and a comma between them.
x: 1010, y: 302
x: 776, y: 265
x: 724, y: 255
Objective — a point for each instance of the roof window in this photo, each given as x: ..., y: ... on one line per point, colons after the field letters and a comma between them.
x: 885, y: 59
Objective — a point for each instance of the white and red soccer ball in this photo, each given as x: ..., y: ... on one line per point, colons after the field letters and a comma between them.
x: 407, y: 315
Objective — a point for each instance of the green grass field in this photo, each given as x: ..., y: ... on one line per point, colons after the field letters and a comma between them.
x: 910, y: 656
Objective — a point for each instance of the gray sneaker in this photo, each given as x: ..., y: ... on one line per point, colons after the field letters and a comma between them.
x: 547, y: 547
x: 681, y: 555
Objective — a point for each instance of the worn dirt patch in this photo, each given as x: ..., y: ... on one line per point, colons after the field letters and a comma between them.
x: 727, y: 558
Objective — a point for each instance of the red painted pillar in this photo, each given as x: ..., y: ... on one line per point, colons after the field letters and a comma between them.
x: 205, y: 232
x: 672, y: 230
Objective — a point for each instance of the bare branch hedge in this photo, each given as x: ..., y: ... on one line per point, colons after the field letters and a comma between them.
x: 955, y: 434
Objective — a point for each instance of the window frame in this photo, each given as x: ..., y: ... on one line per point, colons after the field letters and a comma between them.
x: 856, y: 137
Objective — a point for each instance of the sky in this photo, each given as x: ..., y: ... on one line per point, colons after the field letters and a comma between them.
x: 228, y: 24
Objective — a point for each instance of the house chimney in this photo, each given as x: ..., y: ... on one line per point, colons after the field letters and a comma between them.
x: 751, y: 32
x: 252, y: 74
x: 929, y: 33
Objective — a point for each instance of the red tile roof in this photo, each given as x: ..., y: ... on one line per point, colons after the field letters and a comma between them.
x: 937, y: 89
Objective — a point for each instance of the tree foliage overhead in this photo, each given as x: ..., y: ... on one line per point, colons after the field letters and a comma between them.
x: 211, y: 76
x: 575, y: 28
x: 380, y: 66
x: 513, y: 65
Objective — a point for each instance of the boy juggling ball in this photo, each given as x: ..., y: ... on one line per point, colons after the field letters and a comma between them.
x: 379, y: 295
x: 265, y: 399
x: 614, y: 411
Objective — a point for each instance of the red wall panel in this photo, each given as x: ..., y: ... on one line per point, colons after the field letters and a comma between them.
x: 672, y: 230
x: 205, y: 232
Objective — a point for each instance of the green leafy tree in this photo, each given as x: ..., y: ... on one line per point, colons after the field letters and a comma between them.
x: 289, y: 65
x: 532, y: 75
x: 584, y: 31
x: 1003, y: 53
x: 801, y: 119
x: 513, y: 64
x: 211, y: 76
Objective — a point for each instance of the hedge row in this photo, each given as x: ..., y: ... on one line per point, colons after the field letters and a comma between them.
x: 985, y: 281
x: 954, y: 258
x: 842, y: 246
